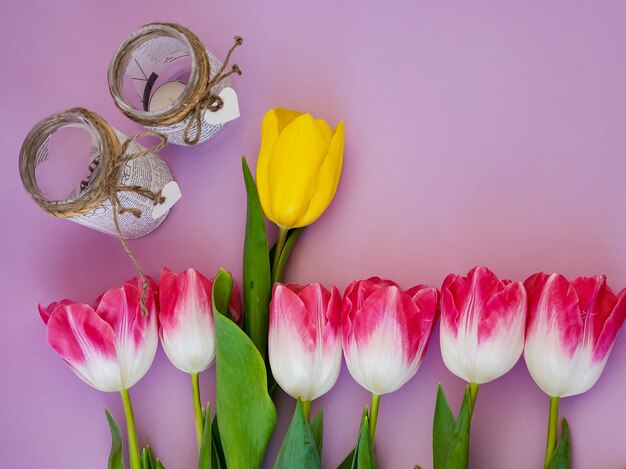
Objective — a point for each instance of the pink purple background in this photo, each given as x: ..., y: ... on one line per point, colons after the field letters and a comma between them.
x: 477, y: 133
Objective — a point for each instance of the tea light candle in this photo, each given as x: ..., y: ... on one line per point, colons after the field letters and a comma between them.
x: 166, y: 94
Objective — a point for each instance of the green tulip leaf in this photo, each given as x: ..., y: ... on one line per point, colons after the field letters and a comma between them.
x: 159, y: 465
x: 458, y: 454
x: 450, y: 437
x: 317, y: 428
x: 206, y: 449
x: 347, y: 462
x: 245, y: 411
x: 257, y: 285
x: 217, y: 452
x: 364, y: 453
x: 560, y: 458
x: 116, y: 455
x: 147, y: 459
x: 299, y: 448
x: 443, y: 430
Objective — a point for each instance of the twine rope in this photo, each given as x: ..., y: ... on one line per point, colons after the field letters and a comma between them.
x: 209, y: 100
x: 197, y: 98
x: 104, y: 187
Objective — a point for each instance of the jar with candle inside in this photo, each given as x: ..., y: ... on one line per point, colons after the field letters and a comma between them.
x: 163, y: 78
x: 66, y: 160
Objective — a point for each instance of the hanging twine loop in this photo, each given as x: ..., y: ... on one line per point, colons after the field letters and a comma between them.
x: 104, y: 184
x: 198, y: 96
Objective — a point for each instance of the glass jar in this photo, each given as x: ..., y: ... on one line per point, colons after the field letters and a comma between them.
x: 159, y: 76
x: 65, y: 161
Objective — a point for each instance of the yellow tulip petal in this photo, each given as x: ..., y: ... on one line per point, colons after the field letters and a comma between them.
x: 293, y: 167
x: 285, y: 117
x: 269, y: 137
x: 327, y: 132
x: 327, y: 179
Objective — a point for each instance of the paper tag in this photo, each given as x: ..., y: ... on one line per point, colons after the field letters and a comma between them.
x: 171, y: 192
x: 229, y: 112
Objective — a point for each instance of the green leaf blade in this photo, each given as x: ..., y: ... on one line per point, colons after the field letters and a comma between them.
x: 217, y: 452
x: 245, y: 411
x: 561, y: 457
x: 204, y: 458
x: 364, y: 454
x: 299, y: 448
x: 116, y: 455
x: 257, y: 284
x: 458, y: 454
x: 317, y: 429
x: 347, y: 462
x: 443, y: 430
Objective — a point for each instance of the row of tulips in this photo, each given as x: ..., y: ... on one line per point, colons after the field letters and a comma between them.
x: 564, y: 329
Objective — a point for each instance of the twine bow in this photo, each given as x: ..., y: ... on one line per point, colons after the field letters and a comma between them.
x: 208, y: 100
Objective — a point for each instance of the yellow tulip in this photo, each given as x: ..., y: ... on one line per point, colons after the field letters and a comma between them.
x: 298, y: 167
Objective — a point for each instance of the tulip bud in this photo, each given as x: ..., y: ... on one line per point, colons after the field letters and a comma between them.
x: 298, y: 167
x: 186, y: 324
x: 571, y: 330
x: 304, y: 339
x: 385, y: 332
x: 111, y: 347
x: 482, y: 325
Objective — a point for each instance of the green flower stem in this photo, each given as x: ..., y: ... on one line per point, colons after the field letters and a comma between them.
x: 133, y: 447
x: 553, y: 423
x: 306, y: 408
x: 374, y: 416
x: 197, y: 407
x: 292, y: 238
x: 473, y: 395
x: 280, y: 244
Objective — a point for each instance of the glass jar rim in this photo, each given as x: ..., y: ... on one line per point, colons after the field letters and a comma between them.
x: 39, y: 135
x: 137, y: 38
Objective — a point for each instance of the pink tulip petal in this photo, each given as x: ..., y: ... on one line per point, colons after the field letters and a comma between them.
x: 608, y: 334
x: 355, y: 295
x: 121, y: 308
x: 182, y: 295
x: 289, y: 313
x: 315, y: 298
x: 385, y: 306
x: 333, y: 312
x: 46, y: 311
x: 235, y: 306
x: 485, y: 285
x: 427, y: 301
x: 454, y: 292
x: 169, y: 297
x: 77, y: 333
x: 596, y: 301
x: 501, y: 311
x: 554, y: 302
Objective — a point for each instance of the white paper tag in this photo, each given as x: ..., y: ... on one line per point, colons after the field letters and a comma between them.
x: 229, y: 112
x: 172, y: 194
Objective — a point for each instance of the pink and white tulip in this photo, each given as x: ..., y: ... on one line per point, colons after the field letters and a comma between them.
x: 111, y: 346
x: 187, y: 329
x: 385, y: 332
x: 305, y: 339
x: 483, y: 322
x: 571, y: 330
